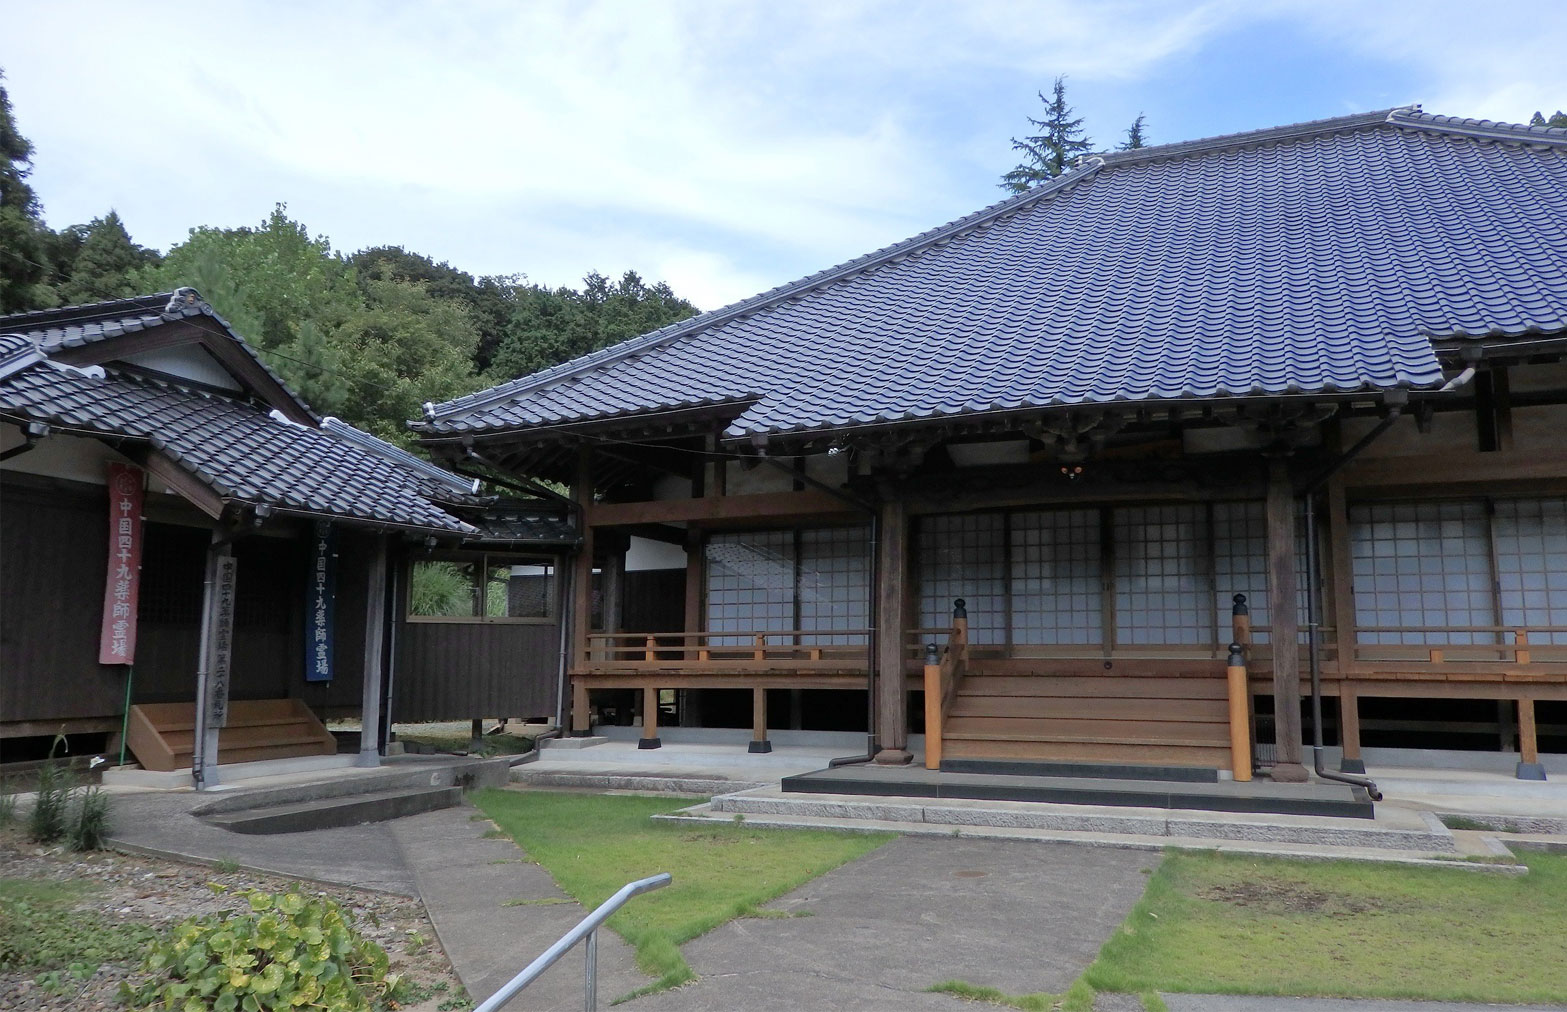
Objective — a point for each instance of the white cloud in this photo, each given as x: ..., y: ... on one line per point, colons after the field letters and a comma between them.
x: 725, y: 146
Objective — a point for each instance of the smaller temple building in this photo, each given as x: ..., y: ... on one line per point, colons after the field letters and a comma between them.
x: 192, y: 558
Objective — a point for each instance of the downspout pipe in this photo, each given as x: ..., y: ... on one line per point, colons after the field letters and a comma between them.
x: 1309, y: 493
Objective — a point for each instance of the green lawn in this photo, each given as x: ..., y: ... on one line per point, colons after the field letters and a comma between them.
x: 594, y: 844
x: 1212, y: 923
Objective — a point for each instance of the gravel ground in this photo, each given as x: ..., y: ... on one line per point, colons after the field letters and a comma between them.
x: 161, y: 893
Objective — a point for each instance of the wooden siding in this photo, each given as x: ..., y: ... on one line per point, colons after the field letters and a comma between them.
x: 458, y: 671
x: 52, y: 566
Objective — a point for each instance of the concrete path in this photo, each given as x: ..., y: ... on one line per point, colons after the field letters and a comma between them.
x: 874, y: 934
x: 1248, y: 1003
x: 494, y: 911
x: 160, y: 823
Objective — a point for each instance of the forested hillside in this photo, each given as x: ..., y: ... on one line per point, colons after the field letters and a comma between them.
x: 367, y: 336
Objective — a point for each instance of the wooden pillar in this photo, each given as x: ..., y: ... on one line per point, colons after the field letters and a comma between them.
x: 375, y: 642
x: 892, y: 729
x: 214, y: 648
x: 1284, y: 622
x: 1340, y: 590
x: 1349, y: 729
x: 1529, y: 765
x: 649, y: 737
x: 933, y: 701
x: 759, y: 742
x: 1240, y: 714
x: 613, y: 587
x: 582, y: 594
x: 581, y: 717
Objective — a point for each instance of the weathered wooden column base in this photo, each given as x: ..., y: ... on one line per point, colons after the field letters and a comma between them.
x: 894, y: 757
x: 759, y: 743
x: 1529, y: 765
x: 581, y: 717
x: 1289, y: 773
x: 649, y: 737
x: 1349, y: 731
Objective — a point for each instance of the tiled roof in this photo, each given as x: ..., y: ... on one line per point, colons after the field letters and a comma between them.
x: 242, y: 452
x: 525, y: 522
x: 1317, y: 258
x: 74, y: 326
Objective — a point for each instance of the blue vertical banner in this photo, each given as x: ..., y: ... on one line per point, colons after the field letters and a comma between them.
x: 321, y: 592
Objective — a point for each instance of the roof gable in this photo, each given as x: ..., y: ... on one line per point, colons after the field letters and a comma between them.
x: 120, y: 329
x: 1313, y: 259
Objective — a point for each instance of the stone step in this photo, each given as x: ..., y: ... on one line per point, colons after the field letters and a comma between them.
x: 1092, y: 771
x: 670, y: 780
x: 1407, y: 832
x: 334, y: 812
x: 1334, y: 800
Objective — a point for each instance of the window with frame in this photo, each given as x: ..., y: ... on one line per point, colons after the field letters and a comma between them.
x: 481, y: 588
x: 1422, y: 568
x: 816, y: 579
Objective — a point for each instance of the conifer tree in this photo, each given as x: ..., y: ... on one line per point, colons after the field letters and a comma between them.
x: 106, y: 263
x: 1134, y: 134
x: 1559, y: 119
x: 25, y: 242
x: 1052, y: 151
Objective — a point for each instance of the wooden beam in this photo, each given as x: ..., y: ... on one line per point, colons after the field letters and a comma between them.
x: 1284, y: 622
x: 582, y: 575
x: 753, y: 507
x: 695, y: 570
x: 759, y: 742
x: 1450, y: 469
x: 1349, y: 729
x: 649, y: 737
x: 184, y: 484
x: 892, y: 731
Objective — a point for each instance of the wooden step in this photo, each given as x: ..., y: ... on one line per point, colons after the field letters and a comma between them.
x: 1077, y: 751
x: 1129, y: 731
x: 1083, y: 708
x: 162, y: 735
x: 1093, y: 687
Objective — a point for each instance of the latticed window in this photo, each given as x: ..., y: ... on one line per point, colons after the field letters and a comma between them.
x: 1422, y: 568
x: 964, y: 556
x: 776, y: 581
x: 1057, y: 588
x: 1531, y: 564
x: 1162, y: 589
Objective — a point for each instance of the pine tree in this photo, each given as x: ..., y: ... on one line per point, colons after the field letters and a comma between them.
x: 106, y: 264
x: 25, y: 241
x: 1052, y: 151
x: 1557, y: 120
x: 1134, y: 134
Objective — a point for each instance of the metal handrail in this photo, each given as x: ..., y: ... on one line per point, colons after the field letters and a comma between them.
x: 586, y: 929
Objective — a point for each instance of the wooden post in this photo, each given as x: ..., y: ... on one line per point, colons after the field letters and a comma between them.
x: 933, y: 699
x: 1341, y: 604
x: 1285, y: 623
x: 582, y: 593
x: 211, y: 682
x: 694, y: 571
x: 1240, y: 622
x: 375, y: 627
x: 581, y: 716
x: 892, y: 730
x: 759, y: 742
x: 1529, y: 765
x: 1349, y: 729
x: 649, y: 737
x: 614, y: 590
x: 1240, y: 719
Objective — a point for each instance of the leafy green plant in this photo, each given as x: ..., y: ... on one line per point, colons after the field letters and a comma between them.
x: 287, y: 950
x: 50, y: 816
x: 91, y: 829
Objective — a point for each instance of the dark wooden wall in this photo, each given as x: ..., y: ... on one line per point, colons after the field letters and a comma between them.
x: 655, y: 601
x: 462, y: 670
x: 53, y: 547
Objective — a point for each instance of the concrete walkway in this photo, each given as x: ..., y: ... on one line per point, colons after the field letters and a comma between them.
x: 1022, y: 917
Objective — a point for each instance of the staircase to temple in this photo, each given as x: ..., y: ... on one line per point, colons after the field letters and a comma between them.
x: 1010, y: 710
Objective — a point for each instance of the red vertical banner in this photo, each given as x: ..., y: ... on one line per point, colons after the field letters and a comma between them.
x: 122, y: 587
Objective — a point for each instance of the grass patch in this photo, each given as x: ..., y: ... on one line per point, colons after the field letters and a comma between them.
x: 41, y: 930
x: 1212, y: 923
x: 1078, y: 998
x: 594, y: 844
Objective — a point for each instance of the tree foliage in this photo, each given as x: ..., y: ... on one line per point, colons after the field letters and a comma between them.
x: 24, y: 239
x: 1135, y: 136
x: 1054, y: 148
x: 106, y: 264
x: 552, y: 326
x: 1556, y: 119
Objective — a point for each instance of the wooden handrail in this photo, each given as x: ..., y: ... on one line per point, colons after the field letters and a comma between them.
x: 944, y: 670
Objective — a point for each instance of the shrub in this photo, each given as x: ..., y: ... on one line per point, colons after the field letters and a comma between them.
x: 283, y: 951
x: 49, y: 819
x: 91, y: 828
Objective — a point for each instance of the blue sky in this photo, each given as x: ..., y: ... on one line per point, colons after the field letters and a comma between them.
x: 722, y: 146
